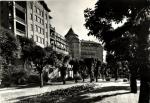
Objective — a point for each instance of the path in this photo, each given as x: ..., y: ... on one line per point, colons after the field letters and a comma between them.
x: 105, y: 92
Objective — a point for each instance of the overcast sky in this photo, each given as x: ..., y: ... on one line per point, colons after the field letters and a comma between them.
x: 70, y: 13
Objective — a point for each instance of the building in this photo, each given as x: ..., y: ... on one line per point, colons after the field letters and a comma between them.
x: 91, y: 49
x: 13, y: 17
x: 38, y: 21
x: 74, y: 44
x: 80, y: 49
x: 32, y: 20
x: 61, y: 46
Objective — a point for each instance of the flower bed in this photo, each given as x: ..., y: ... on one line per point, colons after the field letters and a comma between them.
x: 58, y: 95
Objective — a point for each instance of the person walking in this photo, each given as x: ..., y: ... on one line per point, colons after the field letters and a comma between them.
x: 64, y: 67
x: 97, y: 70
x: 75, y: 70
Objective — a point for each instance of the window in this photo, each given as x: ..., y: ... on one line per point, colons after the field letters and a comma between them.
x: 43, y: 41
x: 40, y: 40
x: 46, y: 25
x: 42, y: 13
x: 40, y: 30
x: 45, y: 16
x: 42, y: 21
x: 31, y: 27
x: 36, y: 18
x: 36, y: 28
x: 35, y: 9
x: 31, y: 16
x: 38, y: 10
x: 30, y: 5
x: 46, y: 34
x: 36, y: 38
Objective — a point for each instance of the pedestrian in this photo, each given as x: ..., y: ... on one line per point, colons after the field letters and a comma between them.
x: 83, y: 70
x: 102, y: 71
x: 97, y: 70
x: 92, y: 71
x: 64, y: 67
x: 75, y: 70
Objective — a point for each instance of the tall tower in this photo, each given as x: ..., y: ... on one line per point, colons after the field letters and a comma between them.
x: 74, y: 44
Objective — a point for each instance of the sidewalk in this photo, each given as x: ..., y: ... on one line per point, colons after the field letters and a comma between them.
x: 105, y: 92
x: 11, y: 95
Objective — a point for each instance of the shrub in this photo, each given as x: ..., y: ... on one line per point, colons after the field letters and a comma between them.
x: 56, y: 79
x: 12, y: 75
x: 69, y: 79
x: 34, y: 79
x: 107, y: 79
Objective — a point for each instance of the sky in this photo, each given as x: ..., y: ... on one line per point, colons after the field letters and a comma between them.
x: 70, y: 13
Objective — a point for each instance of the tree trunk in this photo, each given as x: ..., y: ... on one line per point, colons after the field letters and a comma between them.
x: 133, y: 76
x: 133, y: 84
x: 143, y: 56
x: 41, y: 79
x: 144, y: 92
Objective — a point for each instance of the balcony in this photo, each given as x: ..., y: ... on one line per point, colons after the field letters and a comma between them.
x: 20, y: 32
x: 20, y: 19
x: 20, y: 7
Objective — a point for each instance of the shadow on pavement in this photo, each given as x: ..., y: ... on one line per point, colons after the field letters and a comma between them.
x: 86, y: 99
x: 78, y: 97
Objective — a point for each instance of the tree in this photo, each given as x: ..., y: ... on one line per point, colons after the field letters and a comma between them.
x: 9, y: 46
x: 9, y: 51
x: 135, y: 12
x: 90, y: 65
x: 38, y: 59
x: 42, y: 57
x: 26, y: 50
x: 82, y: 69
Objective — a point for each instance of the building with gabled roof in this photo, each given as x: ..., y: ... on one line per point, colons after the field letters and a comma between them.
x: 81, y: 49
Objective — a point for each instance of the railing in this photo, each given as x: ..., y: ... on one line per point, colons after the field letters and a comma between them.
x: 20, y: 7
x: 20, y: 31
x: 20, y: 19
x: 54, y: 73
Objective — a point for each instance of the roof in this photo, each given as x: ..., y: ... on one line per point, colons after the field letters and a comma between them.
x: 71, y: 32
x: 89, y: 42
x: 45, y: 5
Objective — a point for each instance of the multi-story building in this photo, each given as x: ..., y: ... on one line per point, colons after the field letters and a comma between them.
x: 74, y: 44
x: 61, y: 46
x: 13, y: 17
x: 38, y: 21
x: 81, y: 49
x: 91, y: 49
x: 32, y: 20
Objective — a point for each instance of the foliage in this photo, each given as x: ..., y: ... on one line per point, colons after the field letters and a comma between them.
x: 42, y: 57
x: 33, y: 79
x: 26, y: 48
x: 11, y: 75
x: 136, y: 14
x: 38, y: 58
x: 9, y: 46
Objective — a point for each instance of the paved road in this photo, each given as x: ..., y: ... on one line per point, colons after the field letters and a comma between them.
x: 11, y: 95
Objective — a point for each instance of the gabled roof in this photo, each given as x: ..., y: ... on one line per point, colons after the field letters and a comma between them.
x: 71, y: 33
